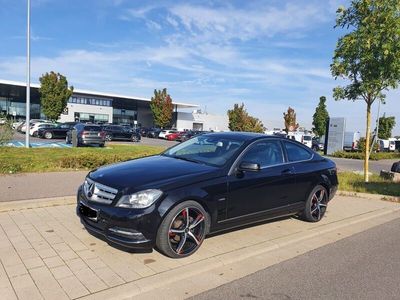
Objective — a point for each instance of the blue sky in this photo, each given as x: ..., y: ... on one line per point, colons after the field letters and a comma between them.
x: 267, y: 54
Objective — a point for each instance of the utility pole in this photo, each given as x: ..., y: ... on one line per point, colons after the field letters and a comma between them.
x: 28, y: 75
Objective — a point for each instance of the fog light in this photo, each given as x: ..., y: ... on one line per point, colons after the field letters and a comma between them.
x: 127, y: 232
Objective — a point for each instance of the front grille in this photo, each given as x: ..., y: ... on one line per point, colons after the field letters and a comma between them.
x: 97, y: 192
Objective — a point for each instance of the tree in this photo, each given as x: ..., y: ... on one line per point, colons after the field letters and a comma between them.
x: 290, y: 120
x: 54, y: 94
x: 386, y: 125
x: 320, y: 117
x: 368, y: 55
x: 240, y: 120
x: 162, y: 108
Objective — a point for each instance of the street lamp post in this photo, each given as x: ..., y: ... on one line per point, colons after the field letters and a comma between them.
x: 28, y: 75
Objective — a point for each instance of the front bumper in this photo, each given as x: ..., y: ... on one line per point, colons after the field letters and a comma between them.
x: 130, y: 228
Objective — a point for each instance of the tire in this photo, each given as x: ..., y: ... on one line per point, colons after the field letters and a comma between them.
x: 48, y: 135
x: 191, y: 231
x: 316, y: 204
x: 134, y: 139
x: 108, y: 137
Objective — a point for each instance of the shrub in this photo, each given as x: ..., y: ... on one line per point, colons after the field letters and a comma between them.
x: 6, y: 132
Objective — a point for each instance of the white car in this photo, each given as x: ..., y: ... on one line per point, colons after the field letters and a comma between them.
x: 164, y: 133
x: 35, y: 128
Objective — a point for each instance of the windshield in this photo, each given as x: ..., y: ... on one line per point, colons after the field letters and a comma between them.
x: 211, y: 150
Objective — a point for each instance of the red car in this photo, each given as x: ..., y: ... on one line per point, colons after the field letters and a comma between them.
x: 173, y: 136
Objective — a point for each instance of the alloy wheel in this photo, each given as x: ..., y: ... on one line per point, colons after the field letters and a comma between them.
x: 187, y: 231
x: 48, y: 135
x: 318, y: 204
x: 108, y: 137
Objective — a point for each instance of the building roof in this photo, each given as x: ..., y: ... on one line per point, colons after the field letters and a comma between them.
x: 100, y: 94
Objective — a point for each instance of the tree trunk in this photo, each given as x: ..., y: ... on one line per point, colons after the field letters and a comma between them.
x: 367, y: 143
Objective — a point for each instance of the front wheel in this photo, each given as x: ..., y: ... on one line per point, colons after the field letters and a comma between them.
x: 108, y: 137
x: 134, y: 139
x: 48, y: 135
x: 183, y: 230
x: 316, y: 204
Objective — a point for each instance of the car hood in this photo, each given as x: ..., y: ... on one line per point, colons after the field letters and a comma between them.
x: 159, y: 172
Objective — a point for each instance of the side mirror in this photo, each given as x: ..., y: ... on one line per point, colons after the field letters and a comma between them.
x: 249, y: 166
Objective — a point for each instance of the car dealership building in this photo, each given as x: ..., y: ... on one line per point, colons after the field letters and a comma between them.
x: 92, y: 106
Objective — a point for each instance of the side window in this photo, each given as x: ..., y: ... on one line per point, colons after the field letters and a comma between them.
x: 296, y: 152
x: 265, y: 153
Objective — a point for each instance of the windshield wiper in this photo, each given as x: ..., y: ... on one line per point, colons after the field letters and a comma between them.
x: 185, y: 158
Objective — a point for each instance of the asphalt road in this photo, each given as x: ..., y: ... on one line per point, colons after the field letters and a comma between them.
x: 364, y: 266
x: 344, y: 164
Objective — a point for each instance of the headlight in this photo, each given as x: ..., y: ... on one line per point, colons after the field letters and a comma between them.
x: 140, y: 199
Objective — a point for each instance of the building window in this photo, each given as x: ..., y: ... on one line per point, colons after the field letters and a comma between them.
x: 90, y: 101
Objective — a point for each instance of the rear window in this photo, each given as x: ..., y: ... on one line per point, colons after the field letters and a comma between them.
x: 307, y: 138
x: 296, y: 152
x: 92, y: 128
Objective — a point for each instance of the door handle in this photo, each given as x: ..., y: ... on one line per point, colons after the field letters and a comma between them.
x: 287, y: 171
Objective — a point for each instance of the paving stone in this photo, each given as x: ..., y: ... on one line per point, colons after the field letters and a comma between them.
x: 25, y: 288
x: 47, y: 284
x: 33, y: 262
x: 73, y: 287
x: 90, y: 280
x: 61, y: 272
x: 16, y: 270
x: 54, y: 261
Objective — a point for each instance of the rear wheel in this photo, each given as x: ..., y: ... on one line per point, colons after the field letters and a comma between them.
x: 316, y: 204
x: 134, y: 138
x: 183, y: 230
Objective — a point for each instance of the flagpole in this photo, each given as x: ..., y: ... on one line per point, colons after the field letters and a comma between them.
x: 28, y: 75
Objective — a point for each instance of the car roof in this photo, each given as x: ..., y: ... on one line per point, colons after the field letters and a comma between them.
x: 240, y: 135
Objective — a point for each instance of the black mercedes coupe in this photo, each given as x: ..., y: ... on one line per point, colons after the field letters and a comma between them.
x: 210, y: 183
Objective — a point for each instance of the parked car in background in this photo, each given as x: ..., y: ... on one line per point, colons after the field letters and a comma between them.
x: 153, y: 133
x: 188, y: 135
x: 317, y: 144
x: 22, y: 128
x: 33, y: 131
x: 15, y: 125
x: 87, y: 134
x: 164, y: 133
x: 392, y: 144
x: 118, y: 132
x: 351, y: 139
x: 383, y: 145
x: 210, y: 183
x: 307, y: 140
x: 173, y: 136
x: 58, y: 131
x: 143, y: 131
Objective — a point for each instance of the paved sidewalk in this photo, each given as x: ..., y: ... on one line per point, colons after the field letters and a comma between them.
x: 46, y: 253
x: 40, y: 185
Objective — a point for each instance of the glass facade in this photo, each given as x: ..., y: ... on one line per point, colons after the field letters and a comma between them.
x: 89, y: 117
x: 124, y: 116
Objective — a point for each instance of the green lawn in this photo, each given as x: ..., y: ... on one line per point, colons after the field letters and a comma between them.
x: 20, y: 160
x: 352, y: 182
x: 374, y: 156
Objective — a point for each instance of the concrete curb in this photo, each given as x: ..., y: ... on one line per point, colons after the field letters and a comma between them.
x: 369, y: 196
x: 36, y: 203
x: 162, y: 280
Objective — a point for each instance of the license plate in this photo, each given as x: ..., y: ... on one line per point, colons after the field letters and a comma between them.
x: 88, y: 212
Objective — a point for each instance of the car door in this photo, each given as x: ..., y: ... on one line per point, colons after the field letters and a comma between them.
x: 269, y: 188
x: 300, y: 158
